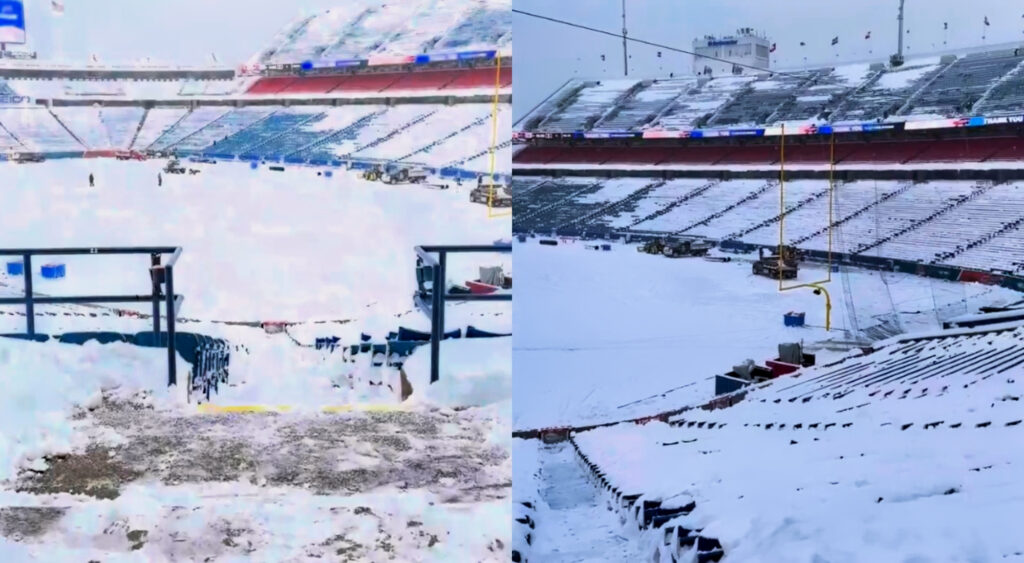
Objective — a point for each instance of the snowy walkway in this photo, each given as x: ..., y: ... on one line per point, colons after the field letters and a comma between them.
x: 296, y: 486
x: 578, y: 525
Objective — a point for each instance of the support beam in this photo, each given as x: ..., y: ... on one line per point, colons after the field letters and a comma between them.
x: 30, y: 309
x: 172, y: 359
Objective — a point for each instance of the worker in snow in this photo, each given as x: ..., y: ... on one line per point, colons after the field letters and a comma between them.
x: 92, y: 181
x: 159, y: 179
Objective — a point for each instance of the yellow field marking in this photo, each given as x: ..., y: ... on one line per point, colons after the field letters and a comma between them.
x: 207, y: 408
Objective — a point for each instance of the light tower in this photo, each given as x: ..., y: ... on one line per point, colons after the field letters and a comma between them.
x: 625, y: 52
x: 897, y: 59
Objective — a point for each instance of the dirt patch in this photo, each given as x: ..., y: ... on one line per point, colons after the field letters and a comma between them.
x: 18, y: 522
x: 324, y: 453
x: 98, y: 472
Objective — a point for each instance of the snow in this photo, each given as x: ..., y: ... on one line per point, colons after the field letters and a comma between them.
x: 240, y: 522
x: 355, y: 31
x: 473, y: 373
x: 258, y: 245
x: 904, y: 78
x: 33, y: 410
x: 907, y: 491
x: 241, y: 263
x: 626, y: 325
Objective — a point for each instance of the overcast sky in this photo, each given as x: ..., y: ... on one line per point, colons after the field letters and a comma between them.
x: 546, y: 54
x: 168, y: 31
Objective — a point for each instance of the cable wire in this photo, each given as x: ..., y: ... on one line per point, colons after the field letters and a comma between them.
x: 653, y: 44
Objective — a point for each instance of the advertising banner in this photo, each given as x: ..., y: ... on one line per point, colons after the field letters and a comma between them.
x: 12, y: 21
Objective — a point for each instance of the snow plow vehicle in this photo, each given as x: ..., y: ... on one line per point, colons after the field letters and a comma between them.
x: 775, y: 266
x: 496, y: 194
x: 405, y: 176
x: 676, y: 248
x: 174, y: 167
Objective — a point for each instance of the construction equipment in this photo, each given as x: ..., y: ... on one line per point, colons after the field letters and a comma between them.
x: 373, y: 173
x: 773, y: 266
x: 496, y: 194
x: 28, y: 157
x: 129, y: 155
x: 676, y: 248
x: 405, y: 176
x: 174, y: 167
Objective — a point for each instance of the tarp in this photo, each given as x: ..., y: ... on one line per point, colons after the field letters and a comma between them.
x: 473, y: 332
x: 493, y: 275
x: 408, y: 334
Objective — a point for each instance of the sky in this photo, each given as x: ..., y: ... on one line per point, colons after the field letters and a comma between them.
x: 547, y: 54
x: 181, y: 32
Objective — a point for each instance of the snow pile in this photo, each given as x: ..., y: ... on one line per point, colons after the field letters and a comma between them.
x: 915, y: 454
x: 474, y: 373
x: 42, y: 383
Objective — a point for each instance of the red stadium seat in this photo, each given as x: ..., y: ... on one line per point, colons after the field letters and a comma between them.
x: 271, y: 85
x: 312, y: 85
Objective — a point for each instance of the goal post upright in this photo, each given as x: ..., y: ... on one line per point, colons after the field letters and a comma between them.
x: 817, y: 286
x: 494, y: 142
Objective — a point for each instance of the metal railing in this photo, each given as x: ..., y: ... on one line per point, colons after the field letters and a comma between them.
x: 161, y: 274
x: 432, y: 300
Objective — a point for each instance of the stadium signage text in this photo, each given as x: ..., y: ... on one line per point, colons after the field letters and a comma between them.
x: 14, y: 100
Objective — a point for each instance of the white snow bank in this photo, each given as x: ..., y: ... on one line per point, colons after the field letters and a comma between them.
x: 474, y: 373
x: 43, y: 382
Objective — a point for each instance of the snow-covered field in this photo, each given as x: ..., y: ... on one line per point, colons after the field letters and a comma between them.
x: 258, y: 245
x: 606, y: 336
x: 99, y: 460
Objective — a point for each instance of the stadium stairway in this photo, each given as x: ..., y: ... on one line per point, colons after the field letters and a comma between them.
x: 774, y: 220
x: 675, y: 203
x: 1005, y: 228
x: 530, y: 215
x: 393, y: 133
x: 903, y: 188
x: 66, y: 128
x: 749, y: 197
x: 979, y: 189
x: 261, y: 133
x: 158, y: 142
x: 437, y: 142
x: 654, y: 515
x: 612, y: 208
x: 283, y: 130
x: 311, y: 152
x: 461, y: 161
x: 138, y: 129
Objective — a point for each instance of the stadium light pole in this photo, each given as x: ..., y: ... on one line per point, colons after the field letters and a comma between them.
x: 625, y: 49
x: 897, y: 59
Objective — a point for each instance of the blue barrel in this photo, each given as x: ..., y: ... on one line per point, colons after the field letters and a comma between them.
x: 606, y: 247
x: 793, y: 319
x: 254, y: 165
x: 835, y: 268
x: 53, y: 271
x: 15, y: 268
x: 521, y: 238
x: 328, y: 173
